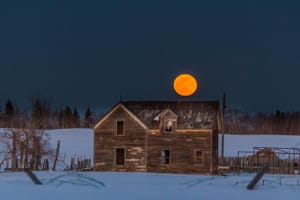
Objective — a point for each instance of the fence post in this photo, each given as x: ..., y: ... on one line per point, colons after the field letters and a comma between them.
x: 258, y: 176
x: 56, y: 155
x: 33, y: 177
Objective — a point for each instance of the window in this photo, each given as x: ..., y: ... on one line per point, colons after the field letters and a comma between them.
x: 167, y: 121
x: 169, y: 126
x: 199, y: 157
x: 120, y: 156
x: 120, y: 127
x: 165, y: 157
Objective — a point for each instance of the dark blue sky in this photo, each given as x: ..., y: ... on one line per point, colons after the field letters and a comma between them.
x: 85, y: 53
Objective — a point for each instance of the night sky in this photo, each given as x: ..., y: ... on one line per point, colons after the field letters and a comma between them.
x: 87, y: 53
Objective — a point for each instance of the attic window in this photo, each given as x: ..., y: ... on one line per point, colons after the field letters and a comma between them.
x: 167, y: 121
x: 169, y: 126
x: 120, y: 127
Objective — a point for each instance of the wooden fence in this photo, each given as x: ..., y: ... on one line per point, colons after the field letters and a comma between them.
x: 76, y: 164
x: 250, y: 164
x: 80, y: 164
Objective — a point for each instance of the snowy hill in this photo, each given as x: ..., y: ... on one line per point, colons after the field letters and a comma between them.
x: 234, y: 143
x: 79, y: 142
x: 76, y: 143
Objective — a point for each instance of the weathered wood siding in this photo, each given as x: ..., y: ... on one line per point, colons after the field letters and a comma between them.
x: 215, y: 154
x: 182, y: 147
x: 106, y: 141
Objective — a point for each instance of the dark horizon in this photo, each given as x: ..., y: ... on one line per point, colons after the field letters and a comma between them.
x: 86, y: 54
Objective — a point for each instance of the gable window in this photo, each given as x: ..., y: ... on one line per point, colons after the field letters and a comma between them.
x: 199, y: 157
x: 167, y: 121
x: 169, y: 126
x: 120, y: 128
x: 165, y: 157
x: 120, y: 156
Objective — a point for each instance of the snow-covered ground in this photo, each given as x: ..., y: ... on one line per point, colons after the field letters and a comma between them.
x: 108, y: 185
x: 234, y: 143
x: 145, y: 186
x: 79, y: 142
x: 76, y: 143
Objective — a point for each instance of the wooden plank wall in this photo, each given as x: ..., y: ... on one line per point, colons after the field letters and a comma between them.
x: 182, y: 147
x: 215, y: 154
x: 106, y: 141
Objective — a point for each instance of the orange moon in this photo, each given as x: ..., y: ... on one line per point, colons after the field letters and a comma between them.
x: 185, y: 85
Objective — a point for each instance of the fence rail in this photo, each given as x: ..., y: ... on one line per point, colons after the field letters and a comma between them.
x: 250, y: 164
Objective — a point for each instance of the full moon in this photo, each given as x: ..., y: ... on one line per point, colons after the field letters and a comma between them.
x: 185, y: 85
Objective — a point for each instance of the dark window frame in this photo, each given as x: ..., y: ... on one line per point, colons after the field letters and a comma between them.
x: 165, y: 157
x: 171, y: 127
x: 120, y: 161
x: 199, y: 157
x: 120, y: 125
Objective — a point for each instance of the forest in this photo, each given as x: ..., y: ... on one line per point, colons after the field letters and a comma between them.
x: 24, y: 141
x: 237, y: 121
x: 42, y: 115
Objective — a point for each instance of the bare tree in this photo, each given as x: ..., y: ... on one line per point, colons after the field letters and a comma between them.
x: 26, y: 147
x: 10, y: 139
x: 37, y: 146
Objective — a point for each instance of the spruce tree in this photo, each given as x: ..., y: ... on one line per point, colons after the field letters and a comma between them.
x: 88, y: 119
x: 76, y: 119
x: 9, y: 108
x: 9, y: 113
x: 68, y: 117
x: 61, y: 123
x: 40, y: 112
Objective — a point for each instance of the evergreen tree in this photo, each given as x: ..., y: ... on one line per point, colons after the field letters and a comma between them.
x: 1, y: 117
x: 9, y: 113
x: 61, y: 118
x: 76, y: 119
x: 88, y: 119
x: 40, y: 112
x: 68, y: 117
x: 9, y: 108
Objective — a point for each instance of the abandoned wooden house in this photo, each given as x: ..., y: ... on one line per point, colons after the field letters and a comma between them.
x: 158, y: 136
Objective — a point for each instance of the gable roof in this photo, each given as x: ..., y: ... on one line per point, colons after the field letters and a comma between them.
x: 163, y: 113
x: 191, y: 114
x: 120, y: 105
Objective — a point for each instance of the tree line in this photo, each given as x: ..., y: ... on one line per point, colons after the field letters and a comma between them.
x: 237, y: 121
x: 44, y: 116
x: 24, y: 141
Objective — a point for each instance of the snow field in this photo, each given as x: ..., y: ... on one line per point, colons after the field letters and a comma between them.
x: 146, y: 186
x: 149, y: 186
